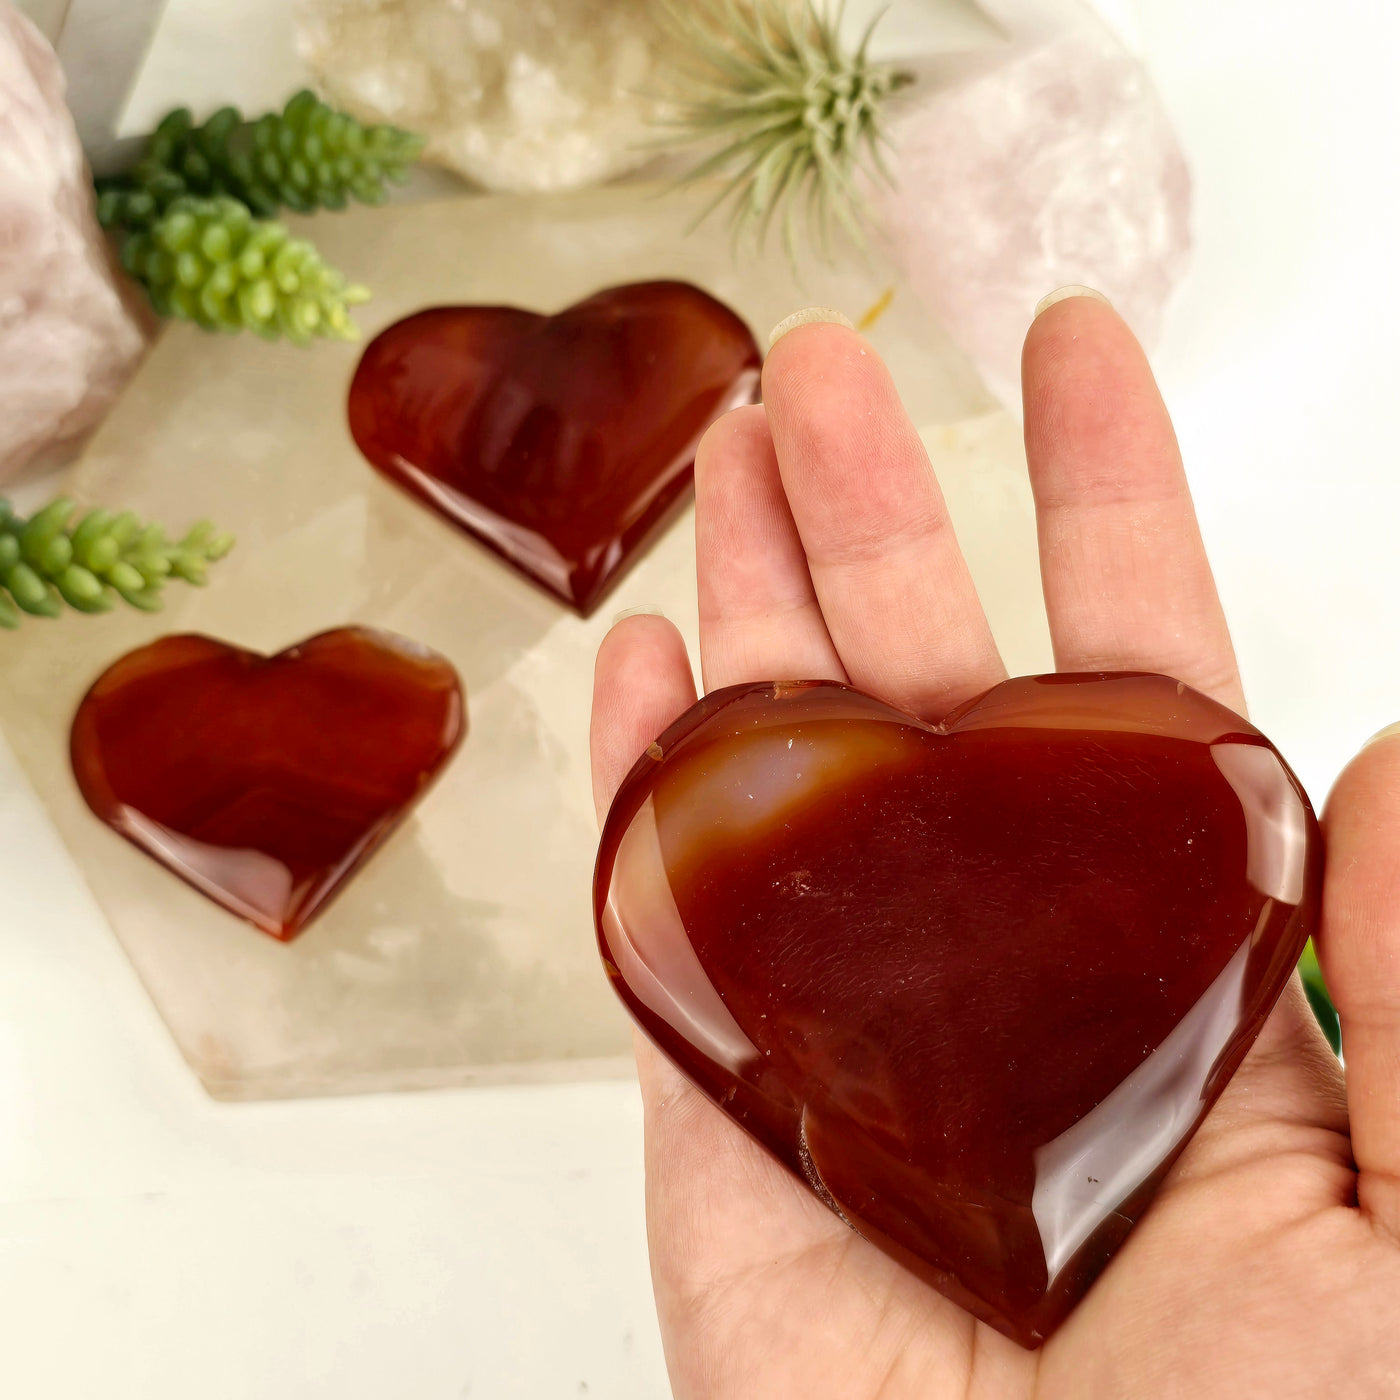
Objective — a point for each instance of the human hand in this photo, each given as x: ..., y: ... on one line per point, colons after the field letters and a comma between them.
x: 1269, y: 1262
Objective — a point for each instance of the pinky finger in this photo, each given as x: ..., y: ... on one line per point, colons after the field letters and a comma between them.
x: 642, y: 682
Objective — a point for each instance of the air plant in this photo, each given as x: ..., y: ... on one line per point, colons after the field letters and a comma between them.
x: 781, y: 110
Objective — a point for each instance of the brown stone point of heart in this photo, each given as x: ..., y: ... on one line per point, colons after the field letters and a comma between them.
x: 564, y: 443
x: 266, y: 781
x: 975, y: 984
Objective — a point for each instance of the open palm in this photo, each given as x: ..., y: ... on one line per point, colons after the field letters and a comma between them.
x: 1269, y: 1262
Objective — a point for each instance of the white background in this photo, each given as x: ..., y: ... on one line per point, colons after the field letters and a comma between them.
x: 489, y: 1243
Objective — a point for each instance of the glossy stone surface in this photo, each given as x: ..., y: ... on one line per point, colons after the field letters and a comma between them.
x: 977, y: 984
x: 266, y: 782
x: 561, y: 442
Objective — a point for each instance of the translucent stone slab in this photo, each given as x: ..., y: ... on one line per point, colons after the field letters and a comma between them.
x: 464, y: 950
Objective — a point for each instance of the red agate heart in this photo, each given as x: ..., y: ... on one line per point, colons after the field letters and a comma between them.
x: 975, y: 984
x: 561, y: 442
x: 266, y: 781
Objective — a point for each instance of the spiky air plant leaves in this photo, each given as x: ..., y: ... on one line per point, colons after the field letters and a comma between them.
x: 210, y: 261
x: 47, y: 561
x: 782, y: 110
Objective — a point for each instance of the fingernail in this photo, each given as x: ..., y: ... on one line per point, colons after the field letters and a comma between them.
x: 1391, y: 731
x: 1070, y: 289
x: 646, y: 610
x: 803, y: 317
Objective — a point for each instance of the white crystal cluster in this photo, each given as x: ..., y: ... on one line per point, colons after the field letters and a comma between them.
x: 513, y: 94
x: 67, y: 338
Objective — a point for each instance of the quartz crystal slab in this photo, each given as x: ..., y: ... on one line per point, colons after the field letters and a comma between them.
x: 266, y: 782
x: 463, y: 951
x: 976, y: 984
x: 562, y: 442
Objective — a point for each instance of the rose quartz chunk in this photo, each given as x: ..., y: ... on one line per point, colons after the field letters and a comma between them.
x: 1057, y: 164
x: 68, y: 340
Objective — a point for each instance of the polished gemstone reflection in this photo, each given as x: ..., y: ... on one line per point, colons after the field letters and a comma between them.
x: 265, y: 782
x: 975, y: 984
x: 561, y: 442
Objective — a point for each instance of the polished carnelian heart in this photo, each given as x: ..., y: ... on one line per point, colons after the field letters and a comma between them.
x: 976, y: 984
x: 266, y: 781
x: 561, y: 442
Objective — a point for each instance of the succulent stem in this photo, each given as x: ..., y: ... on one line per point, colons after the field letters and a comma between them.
x: 210, y: 261
x: 47, y: 561
x: 306, y: 157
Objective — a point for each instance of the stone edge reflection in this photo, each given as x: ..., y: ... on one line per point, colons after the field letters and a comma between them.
x: 1082, y: 1176
x: 640, y: 900
x: 1169, y: 1085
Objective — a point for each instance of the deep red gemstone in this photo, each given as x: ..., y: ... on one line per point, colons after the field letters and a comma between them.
x: 561, y: 442
x: 975, y: 984
x: 266, y: 781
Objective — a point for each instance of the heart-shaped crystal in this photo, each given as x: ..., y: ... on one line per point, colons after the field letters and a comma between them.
x: 977, y: 983
x: 266, y: 781
x: 561, y: 442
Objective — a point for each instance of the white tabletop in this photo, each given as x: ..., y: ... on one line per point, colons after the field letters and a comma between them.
x: 489, y: 1243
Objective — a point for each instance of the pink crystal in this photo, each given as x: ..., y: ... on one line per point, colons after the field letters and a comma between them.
x: 68, y: 339
x: 1056, y: 164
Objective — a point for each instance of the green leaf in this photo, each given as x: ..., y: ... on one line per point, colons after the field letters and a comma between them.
x: 125, y: 577
x: 55, y: 556
x: 46, y: 525
x: 83, y: 590
x: 31, y: 591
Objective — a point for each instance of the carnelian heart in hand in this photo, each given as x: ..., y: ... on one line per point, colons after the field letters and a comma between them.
x: 561, y: 442
x: 975, y: 984
x: 266, y: 781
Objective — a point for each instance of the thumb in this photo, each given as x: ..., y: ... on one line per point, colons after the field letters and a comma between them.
x: 1359, y: 949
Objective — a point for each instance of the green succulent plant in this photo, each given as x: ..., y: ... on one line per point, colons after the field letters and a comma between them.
x: 781, y: 109
x: 210, y: 261
x: 306, y: 157
x: 47, y: 561
x: 193, y: 214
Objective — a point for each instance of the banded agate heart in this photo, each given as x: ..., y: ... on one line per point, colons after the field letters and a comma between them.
x: 563, y: 443
x: 266, y: 781
x: 975, y: 984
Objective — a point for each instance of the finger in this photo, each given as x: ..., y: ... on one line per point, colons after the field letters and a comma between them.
x: 1359, y: 949
x: 898, y: 600
x: 759, y: 617
x: 1127, y: 584
x: 641, y: 683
